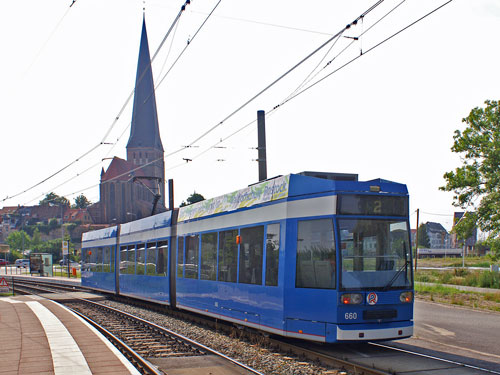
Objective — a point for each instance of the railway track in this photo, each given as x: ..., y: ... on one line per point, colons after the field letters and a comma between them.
x: 149, y: 347
x: 148, y: 340
x: 370, y: 358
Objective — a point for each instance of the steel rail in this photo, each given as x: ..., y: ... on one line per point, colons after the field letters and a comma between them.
x: 327, y: 359
x: 154, y: 326
x: 434, y: 358
x: 139, y: 362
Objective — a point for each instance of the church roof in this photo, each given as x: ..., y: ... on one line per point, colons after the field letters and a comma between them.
x: 144, y: 131
x: 119, y: 170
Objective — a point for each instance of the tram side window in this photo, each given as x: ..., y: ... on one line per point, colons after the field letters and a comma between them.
x: 180, y: 256
x: 106, y: 259
x: 123, y: 259
x: 86, y: 259
x: 162, y: 259
x: 98, y: 262
x: 315, y: 254
x: 251, y: 254
x: 151, y: 259
x: 192, y: 255
x: 141, y: 259
x: 127, y: 260
x: 93, y: 257
x: 112, y: 258
x: 208, y: 256
x: 228, y: 256
x: 272, y: 254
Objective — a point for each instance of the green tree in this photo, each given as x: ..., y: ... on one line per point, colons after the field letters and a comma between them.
x: 476, y: 183
x: 54, y: 199
x: 193, y: 198
x: 52, y: 247
x: 81, y: 202
x: 423, y: 237
x: 15, y: 240
x: 36, y: 239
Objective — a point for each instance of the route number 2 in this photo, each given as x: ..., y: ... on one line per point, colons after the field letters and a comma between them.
x: 351, y: 316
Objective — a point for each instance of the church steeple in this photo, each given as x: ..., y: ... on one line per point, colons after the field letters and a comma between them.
x: 144, y: 147
x: 144, y: 131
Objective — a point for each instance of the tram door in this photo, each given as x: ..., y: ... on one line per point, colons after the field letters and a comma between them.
x: 312, y: 300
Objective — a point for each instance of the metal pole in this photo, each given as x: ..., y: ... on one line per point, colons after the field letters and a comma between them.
x: 261, y: 138
x: 170, y: 194
x: 416, y: 240
x: 463, y: 256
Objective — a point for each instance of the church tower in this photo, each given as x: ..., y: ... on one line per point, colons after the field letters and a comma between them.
x: 144, y: 146
x: 128, y: 193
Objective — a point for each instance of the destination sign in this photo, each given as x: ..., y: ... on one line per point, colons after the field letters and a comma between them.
x: 372, y: 205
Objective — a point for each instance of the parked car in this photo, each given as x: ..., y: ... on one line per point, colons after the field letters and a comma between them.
x: 24, y: 263
x: 3, y: 262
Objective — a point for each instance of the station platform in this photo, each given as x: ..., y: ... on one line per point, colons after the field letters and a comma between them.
x: 39, y: 336
x: 54, y: 279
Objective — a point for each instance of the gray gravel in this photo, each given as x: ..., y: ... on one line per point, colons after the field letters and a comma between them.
x: 253, y: 355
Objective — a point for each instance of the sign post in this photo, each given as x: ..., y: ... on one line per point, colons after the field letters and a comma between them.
x: 4, y: 286
x: 65, y: 253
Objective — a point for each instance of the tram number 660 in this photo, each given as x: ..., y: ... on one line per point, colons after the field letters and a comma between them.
x: 351, y: 316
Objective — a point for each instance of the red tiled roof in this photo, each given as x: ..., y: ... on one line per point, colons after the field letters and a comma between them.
x: 8, y: 210
x: 119, y: 170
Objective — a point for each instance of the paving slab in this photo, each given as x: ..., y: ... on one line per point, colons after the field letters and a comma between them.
x: 39, y: 336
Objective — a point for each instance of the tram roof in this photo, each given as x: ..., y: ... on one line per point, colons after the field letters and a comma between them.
x: 284, y: 187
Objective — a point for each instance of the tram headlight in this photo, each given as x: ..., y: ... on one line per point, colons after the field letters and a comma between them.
x: 406, y: 297
x: 352, y: 299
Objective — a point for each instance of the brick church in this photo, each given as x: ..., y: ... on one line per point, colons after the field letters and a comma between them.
x: 135, y: 188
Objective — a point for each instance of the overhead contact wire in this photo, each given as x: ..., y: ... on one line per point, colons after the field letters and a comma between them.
x: 183, y: 50
x: 279, y: 78
x: 367, y: 51
x: 291, y: 97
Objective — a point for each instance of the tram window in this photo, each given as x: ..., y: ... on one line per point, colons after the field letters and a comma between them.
x: 228, y: 256
x: 105, y: 259
x: 86, y: 259
x: 130, y: 270
x: 123, y: 259
x: 272, y: 254
x: 98, y: 262
x: 112, y: 259
x: 180, y: 256
x: 315, y: 254
x: 141, y: 259
x: 252, y: 243
x: 162, y: 259
x: 151, y: 259
x: 208, y: 256
x: 192, y: 255
x: 93, y: 257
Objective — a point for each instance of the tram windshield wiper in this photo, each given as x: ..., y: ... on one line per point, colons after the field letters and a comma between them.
x: 404, y: 267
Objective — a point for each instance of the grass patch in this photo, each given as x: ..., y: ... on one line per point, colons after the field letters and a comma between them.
x: 460, y: 276
x: 455, y: 262
x: 450, y: 295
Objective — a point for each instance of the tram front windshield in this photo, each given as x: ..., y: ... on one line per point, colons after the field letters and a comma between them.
x: 375, y: 254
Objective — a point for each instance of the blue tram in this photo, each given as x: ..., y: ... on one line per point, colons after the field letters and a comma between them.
x: 316, y: 256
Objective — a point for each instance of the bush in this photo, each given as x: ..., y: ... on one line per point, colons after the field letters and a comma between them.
x: 489, y: 280
x: 445, y: 278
